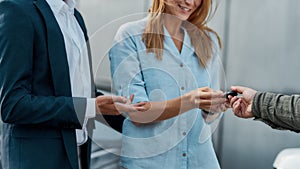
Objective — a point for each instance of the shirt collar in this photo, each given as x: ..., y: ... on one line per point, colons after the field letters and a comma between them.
x: 187, y: 47
x: 60, y: 5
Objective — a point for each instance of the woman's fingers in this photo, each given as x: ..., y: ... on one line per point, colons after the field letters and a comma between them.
x: 129, y: 101
x: 209, y: 95
x: 214, y: 101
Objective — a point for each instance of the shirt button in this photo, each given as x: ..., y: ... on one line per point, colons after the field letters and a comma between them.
x: 181, y: 64
x: 184, y: 154
x: 182, y: 88
x: 184, y: 133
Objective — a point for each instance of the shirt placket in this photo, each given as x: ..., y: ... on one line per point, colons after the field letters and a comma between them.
x: 78, y: 53
x: 182, y: 119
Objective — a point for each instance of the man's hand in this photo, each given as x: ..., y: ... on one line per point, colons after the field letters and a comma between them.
x: 116, y: 105
x: 242, y: 107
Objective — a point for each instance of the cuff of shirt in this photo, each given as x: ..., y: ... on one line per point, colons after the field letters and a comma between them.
x: 256, y: 107
x: 90, y: 111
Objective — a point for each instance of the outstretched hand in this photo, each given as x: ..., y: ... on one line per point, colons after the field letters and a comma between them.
x: 210, y: 100
x: 242, y: 106
x: 116, y: 105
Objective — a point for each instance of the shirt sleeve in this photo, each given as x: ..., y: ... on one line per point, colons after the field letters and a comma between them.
x: 278, y: 111
x: 125, y: 66
x: 90, y: 111
x: 90, y: 108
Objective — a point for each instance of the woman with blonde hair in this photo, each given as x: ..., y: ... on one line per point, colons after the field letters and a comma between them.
x: 169, y: 60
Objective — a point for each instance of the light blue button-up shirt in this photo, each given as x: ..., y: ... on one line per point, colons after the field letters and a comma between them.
x: 182, y: 142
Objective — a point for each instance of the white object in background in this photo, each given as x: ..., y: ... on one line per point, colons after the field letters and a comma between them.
x: 288, y: 159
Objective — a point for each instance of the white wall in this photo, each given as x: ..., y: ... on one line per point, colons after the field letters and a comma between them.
x: 103, y: 18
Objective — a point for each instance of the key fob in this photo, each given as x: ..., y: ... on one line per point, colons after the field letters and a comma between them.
x: 231, y: 93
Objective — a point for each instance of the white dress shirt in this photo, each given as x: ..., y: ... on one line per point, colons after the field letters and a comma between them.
x: 77, y: 56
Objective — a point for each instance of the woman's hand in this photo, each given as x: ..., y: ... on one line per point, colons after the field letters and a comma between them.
x: 116, y: 105
x: 209, y: 100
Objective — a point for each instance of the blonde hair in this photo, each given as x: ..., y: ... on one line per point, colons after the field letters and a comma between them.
x: 197, y: 28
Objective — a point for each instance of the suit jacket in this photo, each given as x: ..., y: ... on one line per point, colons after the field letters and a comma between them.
x: 39, y: 114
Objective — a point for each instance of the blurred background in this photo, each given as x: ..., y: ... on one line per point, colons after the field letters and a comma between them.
x: 261, y: 41
x: 261, y: 50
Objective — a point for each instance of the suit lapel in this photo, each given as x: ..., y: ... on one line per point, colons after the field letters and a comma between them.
x: 60, y: 71
x: 56, y: 50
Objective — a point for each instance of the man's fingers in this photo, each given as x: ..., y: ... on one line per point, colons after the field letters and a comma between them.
x: 233, y: 100
x: 119, y: 99
x: 109, y: 109
x: 101, y: 100
x: 239, y: 89
x: 236, y: 107
x: 243, y: 108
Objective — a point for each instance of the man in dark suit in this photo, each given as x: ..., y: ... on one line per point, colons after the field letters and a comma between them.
x: 38, y: 106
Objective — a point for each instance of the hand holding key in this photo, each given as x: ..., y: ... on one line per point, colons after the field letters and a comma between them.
x: 242, y: 106
x: 230, y: 93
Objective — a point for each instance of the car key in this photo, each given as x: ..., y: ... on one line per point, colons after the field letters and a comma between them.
x: 230, y: 93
